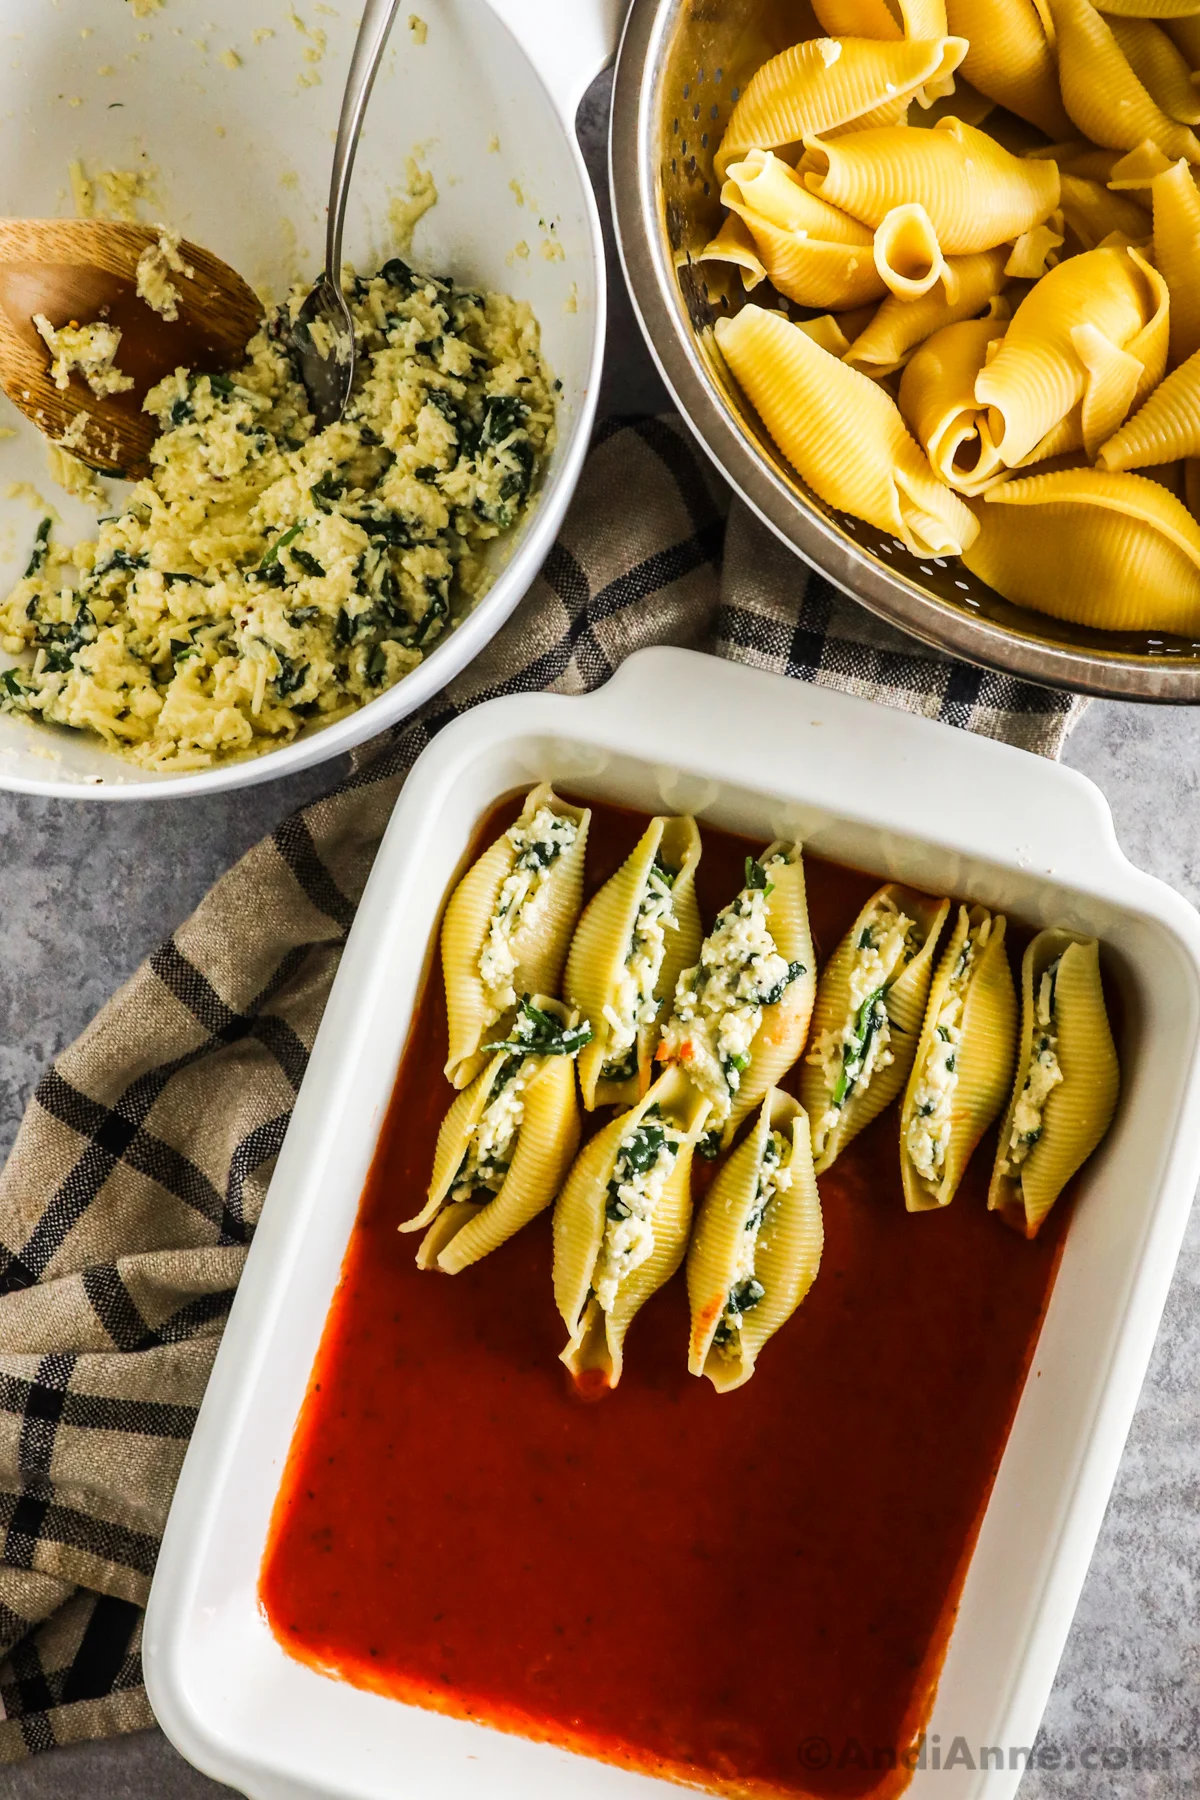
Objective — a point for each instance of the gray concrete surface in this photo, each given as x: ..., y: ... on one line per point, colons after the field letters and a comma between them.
x: 86, y: 892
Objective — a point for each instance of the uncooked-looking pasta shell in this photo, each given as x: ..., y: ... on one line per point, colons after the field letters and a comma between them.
x: 601, y: 945
x: 1101, y: 92
x: 540, y: 949
x: 595, y: 1352
x: 937, y: 397
x: 1010, y: 59
x: 787, y: 1258
x: 977, y: 194
x: 819, y: 86
x: 804, y: 397
x: 1079, y: 1111
x: 460, y: 1232
x: 1113, y: 551
x: 887, y: 341
x: 1177, y: 253
x: 780, y: 1038
x: 905, y: 1002
x: 1093, y: 330
x: 987, y: 1047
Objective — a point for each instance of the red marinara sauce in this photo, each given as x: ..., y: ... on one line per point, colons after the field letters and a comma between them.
x: 751, y: 1592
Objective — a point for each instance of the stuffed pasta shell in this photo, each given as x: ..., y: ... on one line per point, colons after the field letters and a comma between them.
x: 870, y: 1004
x: 621, y: 1223
x: 740, y: 1014
x: 635, y: 936
x: 507, y: 1141
x: 1067, y: 1079
x: 509, y: 923
x: 757, y: 1245
x: 962, y: 1070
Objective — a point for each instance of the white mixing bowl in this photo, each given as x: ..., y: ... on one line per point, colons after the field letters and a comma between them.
x: 237, y: 155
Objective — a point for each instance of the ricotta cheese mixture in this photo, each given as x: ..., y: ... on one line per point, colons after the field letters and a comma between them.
x: 157, y: 263
x: 488, y: 1156
x: 745, y: 1290
x: 538, y: 842
x: 644, y: 1164
x: 929, y: 1129
x: 90, y: 349
x: 267, y: 578
x: 1042, y: 1076
x: 718, y: 1005
x: 634, y: 1004
x: 851, y: 1055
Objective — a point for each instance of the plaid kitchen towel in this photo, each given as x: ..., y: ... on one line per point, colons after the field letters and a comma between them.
x: 141, y: 1166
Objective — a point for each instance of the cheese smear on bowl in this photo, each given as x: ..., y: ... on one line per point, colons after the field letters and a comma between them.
x: 267, y: 578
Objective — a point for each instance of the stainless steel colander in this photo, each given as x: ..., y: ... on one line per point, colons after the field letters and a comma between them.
x: 681, y: 67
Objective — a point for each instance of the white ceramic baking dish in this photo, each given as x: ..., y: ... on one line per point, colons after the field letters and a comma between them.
x: 238, y: 158
x: 903, y: 797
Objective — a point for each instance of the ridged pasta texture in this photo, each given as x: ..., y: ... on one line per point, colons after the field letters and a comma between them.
x: 805, y: 397
x: 879, y: 19
x: 1093, y: 331
x: 975, y: 192
x: 962, y: 1071
x: 1100, y: 549
x: 1101, y: 91
x: 512, y: 1134
x: 503, y: 936
x: 1177, y: 254
x: 621, y: 1224
x: 827, y: 83
x: 811, y: 252
x: 1159, y: 67
x: 867, y: 1018
x: 937, y: 398
x: 756, y: 1247
x: 635, y: 936
x: 1067, y: 1079
x: 1010, y: 59
x: 898, y: 326
x: 1166, y: 427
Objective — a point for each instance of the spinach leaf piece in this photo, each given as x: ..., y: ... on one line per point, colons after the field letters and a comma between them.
x: 539, y: 1033
x: 281, y: 543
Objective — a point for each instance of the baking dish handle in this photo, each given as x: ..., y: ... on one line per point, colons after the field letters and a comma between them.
x: 567, y: 41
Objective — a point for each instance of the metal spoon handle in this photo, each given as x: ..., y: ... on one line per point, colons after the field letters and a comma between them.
x: 373, y: 32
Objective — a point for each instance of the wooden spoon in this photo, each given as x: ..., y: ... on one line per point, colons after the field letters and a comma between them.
x: 86, y: 270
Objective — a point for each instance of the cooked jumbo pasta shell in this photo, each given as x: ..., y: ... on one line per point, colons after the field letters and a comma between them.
x: 1092, y: 212
x: 812, y: 253
x: 699, y: 1029
x: 877, y: 19
x: 840, y: 1104
x: 537, y: 943
x: 535, y: 1097
x: 1131, y: 171
x: 1150, y: 9
x: 1177, y: 253
x: 977, y: 194
x: 597, y: 1300
x: 886, y: 342
x: 1166, y: 427
x: 1036, y: 251
x: 1159, y: 67
x: 1011, y: 60
x: 962, y: 1071
x: 907, y: 253
x: 1078, y: 1109
x: 1100, y: 90
x: 1113, y: 551
x: 1183, y: 32
x: 826, y: 83
x: 1093, y: 330
x: 756, y: 1247
x: 804, y: 397
x: 629, y: 947
x: 937, y: 397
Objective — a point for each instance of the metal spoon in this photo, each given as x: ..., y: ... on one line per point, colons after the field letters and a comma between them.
x: 327, y: 361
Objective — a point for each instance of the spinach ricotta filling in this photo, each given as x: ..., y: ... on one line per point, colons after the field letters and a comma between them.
x: 535, y: 1035
x: 267, y: 578
x: 1042, y: 1075
x: 851, y: 1055
x: 644, y: 1163
x: 634, y: 1005
x: 538, y: 842
x: 929, y: 1129
x: 746, y: 1291
x: 718, y: 1004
